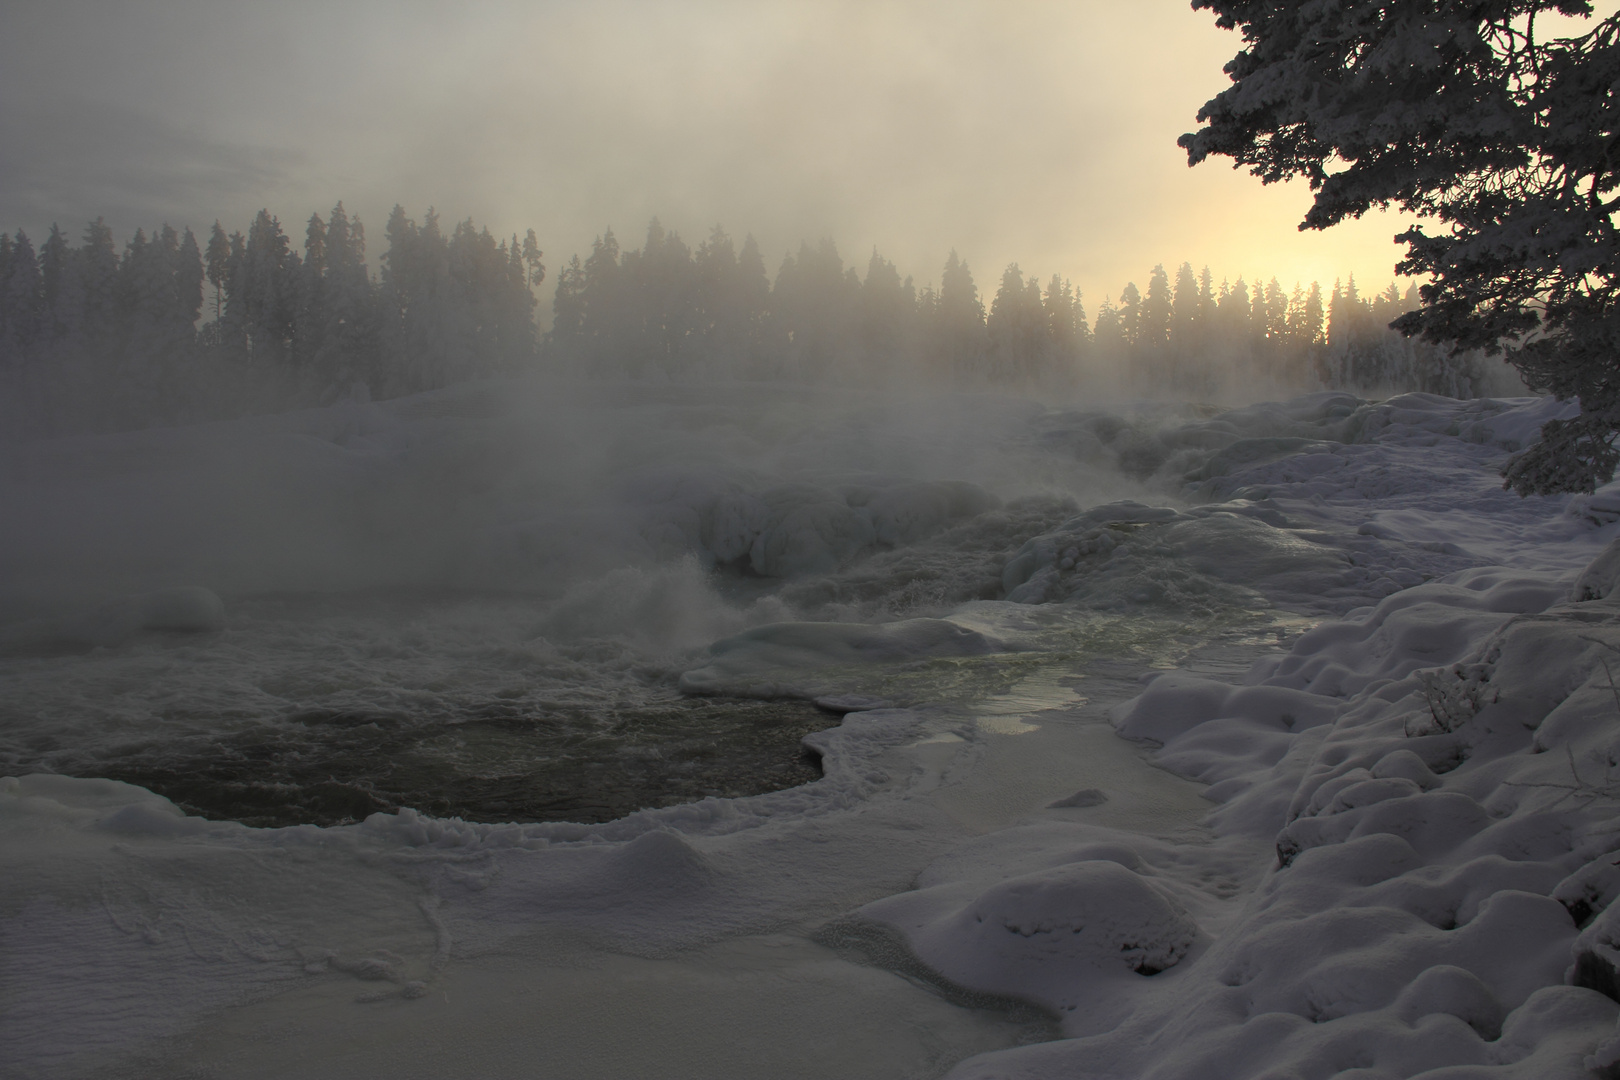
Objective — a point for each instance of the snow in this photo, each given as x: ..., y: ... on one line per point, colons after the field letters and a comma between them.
x: 1295, y: 759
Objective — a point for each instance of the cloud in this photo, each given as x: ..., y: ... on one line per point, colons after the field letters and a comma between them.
x: 76, y: 159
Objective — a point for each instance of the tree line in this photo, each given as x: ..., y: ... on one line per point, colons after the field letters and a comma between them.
x: 170, y: 330
x: 669, y: 311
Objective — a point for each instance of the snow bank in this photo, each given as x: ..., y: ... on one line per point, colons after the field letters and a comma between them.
x: 1409, y: 866
x: 1410, y: 872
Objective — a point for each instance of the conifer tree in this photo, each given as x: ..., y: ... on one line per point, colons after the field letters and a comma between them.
x: 568, y: 311
x: 21, y: 300
x: 960, y: 321
x: 1184, y: 307
x: 1154, y: 321
x: 346, y: 355
x: 260, y: 304
x: 62, y: 302
x: 1476, y: 115
x: 98, y: 269
x: 887, y: 303
x: 1130, y: 315
x: 1018, y: 329
x: 218, y: 257
x: 1109, y: 335
x: 1066, y: 328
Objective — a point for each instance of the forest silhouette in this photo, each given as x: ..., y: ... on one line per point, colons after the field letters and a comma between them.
x: 171, y: 330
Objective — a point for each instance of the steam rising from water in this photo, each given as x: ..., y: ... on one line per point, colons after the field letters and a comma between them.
x: 509, y: 487
x: 481, y: 601
x: 478, y: 601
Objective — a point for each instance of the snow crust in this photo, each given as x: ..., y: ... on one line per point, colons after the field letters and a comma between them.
x: 1378, y: 839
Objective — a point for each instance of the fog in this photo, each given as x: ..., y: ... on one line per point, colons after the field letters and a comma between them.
x: 526, y: 564
x: 1043, y: 134
x: 414, y: 660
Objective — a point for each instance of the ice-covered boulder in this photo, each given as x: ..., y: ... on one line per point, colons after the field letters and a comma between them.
x: 1128, y: 555
x: 1598, y: 580
x: 1058, y: 936
x: 810, y: 530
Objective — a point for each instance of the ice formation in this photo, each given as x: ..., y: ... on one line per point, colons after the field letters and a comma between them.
x: 1297, y: 761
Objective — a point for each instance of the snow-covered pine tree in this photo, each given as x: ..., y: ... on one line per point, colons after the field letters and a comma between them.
x: 1458, y: 113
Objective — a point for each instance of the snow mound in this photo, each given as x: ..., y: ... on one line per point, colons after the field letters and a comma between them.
x: 794, y: 529
x: 1126, y: 555
x: 1413, y: 862
x: 1599, y: 579
x: 1049, y: 935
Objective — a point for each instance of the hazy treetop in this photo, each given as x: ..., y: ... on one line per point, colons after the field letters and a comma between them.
x: 1042, y: 132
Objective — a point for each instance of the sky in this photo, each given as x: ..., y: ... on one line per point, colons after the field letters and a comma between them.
x: 1042, y: 133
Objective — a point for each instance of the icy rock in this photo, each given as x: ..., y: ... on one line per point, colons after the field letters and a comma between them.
x: 1085, y: 797
x: 1599, y: 578
x: 812, y: 531
x: 1600, y: 508
x: 1126, y: 511
x: 907, y: 513
x: 1591, y: 889
x: 1093, y: 915
x: 734, y: 521
x: 1597, y: 955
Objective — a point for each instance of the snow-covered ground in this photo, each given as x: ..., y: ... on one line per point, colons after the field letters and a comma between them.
x: 1177, y: 742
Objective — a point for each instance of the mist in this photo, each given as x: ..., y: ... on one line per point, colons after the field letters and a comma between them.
x: 617, y: 539
x: 1044, y: 135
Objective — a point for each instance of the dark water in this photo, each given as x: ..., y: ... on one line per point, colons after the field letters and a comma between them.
x: 333, y: 768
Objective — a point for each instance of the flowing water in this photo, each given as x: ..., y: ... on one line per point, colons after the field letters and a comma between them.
x: 634, y: 610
